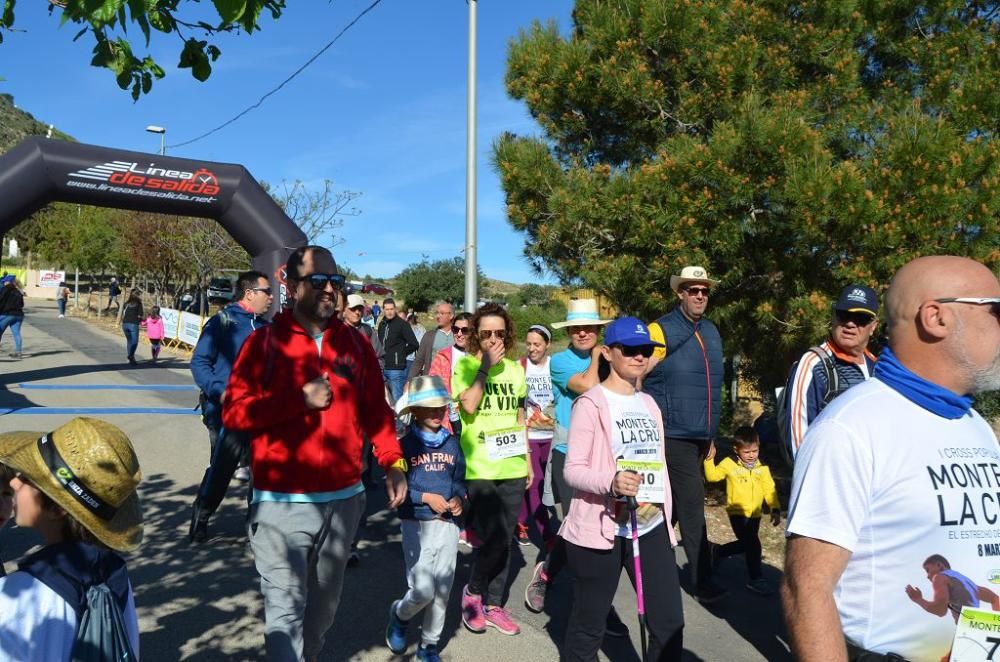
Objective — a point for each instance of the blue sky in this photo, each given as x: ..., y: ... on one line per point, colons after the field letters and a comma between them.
x: 382, y: 112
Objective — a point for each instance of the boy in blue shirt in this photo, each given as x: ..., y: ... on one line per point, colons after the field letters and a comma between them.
x: 436, y: 480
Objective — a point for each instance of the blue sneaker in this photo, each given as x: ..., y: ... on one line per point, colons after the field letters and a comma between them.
x: 395, y: 632
x: 428, y: 653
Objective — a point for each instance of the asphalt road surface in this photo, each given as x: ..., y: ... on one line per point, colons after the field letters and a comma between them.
x: 203, y: 603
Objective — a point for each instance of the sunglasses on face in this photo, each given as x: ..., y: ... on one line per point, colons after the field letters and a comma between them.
x: 486, y: 334
x: 992, y: 302
x: 695, y: 291
x: 645, y: 351
x: 319, y: 281
x: 265, y: 290
x: 859, y: 319
x: 460, y: 330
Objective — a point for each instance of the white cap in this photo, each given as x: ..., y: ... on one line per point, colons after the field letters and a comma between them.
x: 355, y: 300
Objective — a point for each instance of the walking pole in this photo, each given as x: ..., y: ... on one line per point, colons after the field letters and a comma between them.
x: 632, y: 505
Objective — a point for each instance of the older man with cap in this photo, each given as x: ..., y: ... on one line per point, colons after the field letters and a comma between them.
x: 685, y: 379
x: 826, y: 371
x: 898, y: 472
x: 433, y: 342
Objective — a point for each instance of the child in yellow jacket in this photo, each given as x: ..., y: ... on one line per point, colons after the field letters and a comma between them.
x: 748, y: 485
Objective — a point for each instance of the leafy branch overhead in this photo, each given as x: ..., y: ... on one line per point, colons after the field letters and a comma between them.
x: 790, y: 148
x: 107, y: 22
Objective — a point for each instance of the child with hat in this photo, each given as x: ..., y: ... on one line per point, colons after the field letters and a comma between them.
x: 436, y: 480
x: 77, y: 487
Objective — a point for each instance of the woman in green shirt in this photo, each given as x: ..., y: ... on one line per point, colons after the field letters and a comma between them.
x: 490, y: 389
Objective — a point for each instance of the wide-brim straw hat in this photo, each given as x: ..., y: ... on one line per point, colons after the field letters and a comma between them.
x: 89, y: 469
x: 691, y: 275
x: 581, y: 312
x: 424, y: 391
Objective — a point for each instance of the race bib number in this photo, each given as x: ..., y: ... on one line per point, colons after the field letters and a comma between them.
x: 502, y: 444
x: 977, y: 636
x: 651, y: 483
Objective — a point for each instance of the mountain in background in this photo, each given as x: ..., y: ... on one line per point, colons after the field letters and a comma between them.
x: 16, y: 125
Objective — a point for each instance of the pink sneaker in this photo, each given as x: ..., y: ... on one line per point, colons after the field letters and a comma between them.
x: 472, y: 611
x: 500, y: 618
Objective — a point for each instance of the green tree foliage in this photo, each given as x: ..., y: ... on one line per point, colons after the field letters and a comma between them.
x: 790, y: 148
x: 534, y: 294
x: 425, y: 282
x: 107, y: 21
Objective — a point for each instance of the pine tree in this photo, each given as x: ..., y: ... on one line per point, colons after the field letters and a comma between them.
x: 789, y: 147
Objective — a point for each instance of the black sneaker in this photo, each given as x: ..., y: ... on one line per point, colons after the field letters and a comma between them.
x: 613, y: 626
x: 353, y: 559
x: 198, y: 531
x: 710, y: 593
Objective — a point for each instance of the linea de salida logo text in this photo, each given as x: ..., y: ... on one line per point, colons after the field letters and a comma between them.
x: 129, y: 173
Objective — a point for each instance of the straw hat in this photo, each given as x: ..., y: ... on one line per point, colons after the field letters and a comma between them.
x: 691, y: 275
x: 581, y: 312
x: 424, y: 391
x: 89, y: 469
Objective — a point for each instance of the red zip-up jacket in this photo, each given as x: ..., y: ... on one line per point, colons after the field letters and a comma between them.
x: 296, y: 449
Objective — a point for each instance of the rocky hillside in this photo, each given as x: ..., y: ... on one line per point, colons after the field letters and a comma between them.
x: 16, y: 125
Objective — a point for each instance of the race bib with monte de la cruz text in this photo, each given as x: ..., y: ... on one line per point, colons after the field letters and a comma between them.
x: 510, y: 442
x: 651, y: 483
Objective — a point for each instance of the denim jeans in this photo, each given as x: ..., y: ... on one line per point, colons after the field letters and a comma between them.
x: 13, y: 322
x: 131, y: 339
x: 396, y: 380
x: 62, y: 305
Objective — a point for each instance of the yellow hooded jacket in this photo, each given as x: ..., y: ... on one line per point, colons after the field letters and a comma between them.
x: 746, y: 489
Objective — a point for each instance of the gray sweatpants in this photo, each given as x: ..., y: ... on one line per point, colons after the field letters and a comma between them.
x: 300, y: 550
x: 430, y: 549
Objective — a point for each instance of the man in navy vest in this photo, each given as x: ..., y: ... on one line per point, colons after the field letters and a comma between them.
x: 685, y: 379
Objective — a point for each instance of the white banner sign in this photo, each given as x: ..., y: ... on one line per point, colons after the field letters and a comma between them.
x: 171, y: 318
x: 190, y: 328
x: 48, y: 278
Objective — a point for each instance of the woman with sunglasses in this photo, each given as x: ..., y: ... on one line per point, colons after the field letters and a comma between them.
x: 539, y: 410
x: 491, y: 390
x: 617, y: 455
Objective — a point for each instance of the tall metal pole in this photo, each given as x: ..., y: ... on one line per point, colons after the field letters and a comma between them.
x: 471, y: 273
x: 163, y: 143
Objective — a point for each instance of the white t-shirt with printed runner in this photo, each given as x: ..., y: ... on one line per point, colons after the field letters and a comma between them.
x: 636, y: 437
x: 894, y: 484
x: 538, y: 404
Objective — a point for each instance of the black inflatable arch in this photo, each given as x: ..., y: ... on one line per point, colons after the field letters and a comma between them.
x: 39, y: 171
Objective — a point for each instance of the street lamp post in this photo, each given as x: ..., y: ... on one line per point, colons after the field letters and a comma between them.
x: 152, y: 128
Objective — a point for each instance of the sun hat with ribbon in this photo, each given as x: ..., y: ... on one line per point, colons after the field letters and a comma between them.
x: 424, y: 391
x: 89, y: 469
x: 581, y: 312
x: 691, y: 275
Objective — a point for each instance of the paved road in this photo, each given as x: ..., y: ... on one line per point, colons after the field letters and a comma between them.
x: 202, y: 603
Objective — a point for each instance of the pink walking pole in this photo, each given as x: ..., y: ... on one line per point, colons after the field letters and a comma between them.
x: 632, y: 505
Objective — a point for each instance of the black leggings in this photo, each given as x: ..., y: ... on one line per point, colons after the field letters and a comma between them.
x: 595, y: 581
x: 563, y: 495
x: 229, y: 448
x: 493, y: 509
x: 747, y: 530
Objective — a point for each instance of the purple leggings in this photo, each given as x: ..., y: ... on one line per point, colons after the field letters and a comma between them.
x: 532, y: 506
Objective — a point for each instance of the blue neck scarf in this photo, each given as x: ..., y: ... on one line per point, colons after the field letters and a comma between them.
x: 935, y: 399
x: 431, y: 439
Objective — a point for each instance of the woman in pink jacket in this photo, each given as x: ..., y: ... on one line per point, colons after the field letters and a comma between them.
x: 616, y: 451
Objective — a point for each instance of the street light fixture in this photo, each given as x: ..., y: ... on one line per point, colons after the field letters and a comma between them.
x: 152, y: 128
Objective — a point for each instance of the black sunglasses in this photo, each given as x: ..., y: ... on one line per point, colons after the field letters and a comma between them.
x: 319, y: 281
x: 645, y: 351
x: 265, y: 290
x: 695, y: 291
x: 461, y: 330
x: 859, y: 318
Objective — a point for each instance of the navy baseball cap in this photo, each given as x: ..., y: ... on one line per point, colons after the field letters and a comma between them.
x: 629, y: 332
x: 857, y: 299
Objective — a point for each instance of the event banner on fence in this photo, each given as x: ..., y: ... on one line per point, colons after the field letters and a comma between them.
x: 50, y: 278
x: 185, y: 327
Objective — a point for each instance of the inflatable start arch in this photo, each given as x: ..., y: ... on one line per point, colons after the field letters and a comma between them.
x: 39, y: 171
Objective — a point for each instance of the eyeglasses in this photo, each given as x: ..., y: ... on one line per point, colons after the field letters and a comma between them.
x: 486, y: 334
x: 265, y: 290
x: 645, y: 351
x: 319, y: 281
x: 992, y: 302
x: 460, y: 330
x: 696, y: 291
x: 859, y: 318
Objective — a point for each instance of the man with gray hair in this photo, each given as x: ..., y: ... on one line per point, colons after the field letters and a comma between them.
x: 434, y: 342
x: 898, y: 469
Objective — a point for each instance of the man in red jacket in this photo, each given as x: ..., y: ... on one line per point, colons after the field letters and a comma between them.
x: 307, y: 388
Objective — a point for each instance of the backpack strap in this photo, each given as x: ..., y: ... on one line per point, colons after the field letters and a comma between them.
x: 830, y: 370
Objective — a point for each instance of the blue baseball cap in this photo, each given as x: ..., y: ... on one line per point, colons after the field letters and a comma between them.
x: 629, y: 332
x: 857, y: 299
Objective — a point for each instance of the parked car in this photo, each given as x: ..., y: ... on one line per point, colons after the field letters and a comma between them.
x: 220, y: 288
x: 377, y: 289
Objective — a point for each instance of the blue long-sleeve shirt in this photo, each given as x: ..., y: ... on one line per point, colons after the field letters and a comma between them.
x: 438, y: 471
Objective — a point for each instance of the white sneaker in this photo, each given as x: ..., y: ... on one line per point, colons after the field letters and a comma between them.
x: 61, y: 316
x: 242, y: 474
